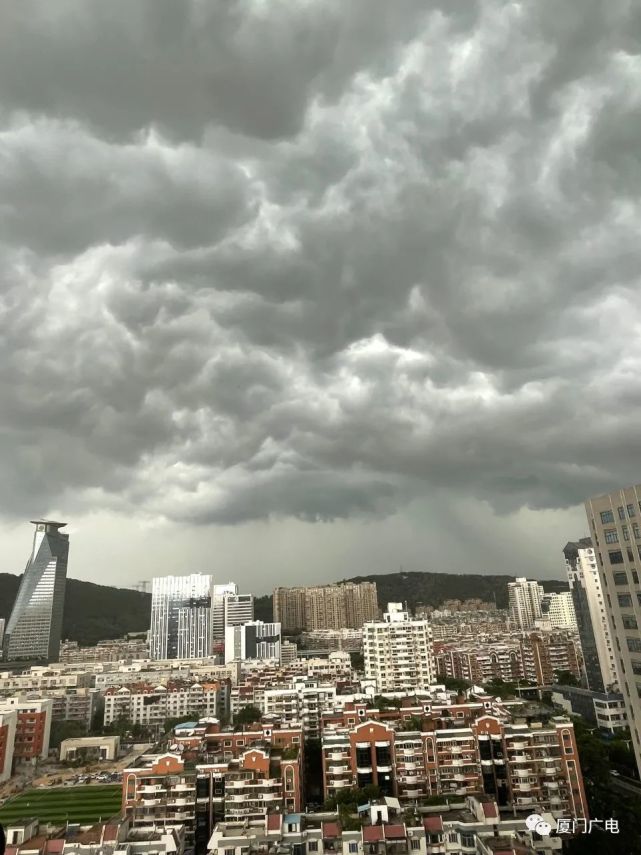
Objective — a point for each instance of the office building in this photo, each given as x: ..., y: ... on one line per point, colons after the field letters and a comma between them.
x: 345, y: 606
x: 524, y: 602
x: 35, y: 625
x: 219, y: 594
x: 591, y: 615
x: 398, y: 651
x: 255, y: 640
x: 614, y: 521
x: 1, y: 633
x: 181, y: 617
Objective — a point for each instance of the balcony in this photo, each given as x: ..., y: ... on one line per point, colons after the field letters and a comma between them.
x: 337, y: 755
x: 518, y: 746
x: 338, y: 784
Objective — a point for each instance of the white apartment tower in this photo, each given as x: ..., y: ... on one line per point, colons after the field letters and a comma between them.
x: 398, y: 651
x: 615, y: 527
x: 559, y: 609
x: 591, y: 615
x: 181, y: 617
x: 524, y: 602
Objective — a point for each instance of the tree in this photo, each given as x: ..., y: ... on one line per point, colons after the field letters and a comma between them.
x: 61, y: 730
x: 358, y: 660
x: 455, y: 684
x: 248, y: 715
x: 565, y: 678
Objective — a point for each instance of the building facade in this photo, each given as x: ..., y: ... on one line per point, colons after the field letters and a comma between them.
x: 33, y: 726
x: 181, y: 617
x: 255, y: 640
x: 558, y: 607
x: 524, y: 602
x: 35, y: 626
x: 615, y: 528
x: 535, y: 766
x: 345, y: 606
x: 591, y: 616
x: 8, y: 724
x: 398, y: 651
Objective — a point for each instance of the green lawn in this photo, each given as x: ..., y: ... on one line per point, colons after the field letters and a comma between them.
x: 83, y: 804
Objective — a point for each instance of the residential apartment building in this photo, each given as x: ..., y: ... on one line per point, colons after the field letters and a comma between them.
x: 35, y: 625
x: 398, y: 651
x: 347, y: 605
x: 559, y: 609
x: 614, y: 521
x: 534, y: 766
x: 535, y: 657
x: 591, y: 615
x: 475, y: 827
x: 8, y: 725
x: 162, y: 791
x: 255, y: 640
x: 181, y: 617
x: 150, y: 705
x: 116, y: 650
x: 32, y: 726
x: 524, y: 602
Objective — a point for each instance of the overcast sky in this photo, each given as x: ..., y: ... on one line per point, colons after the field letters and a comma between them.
x: 294, y: 290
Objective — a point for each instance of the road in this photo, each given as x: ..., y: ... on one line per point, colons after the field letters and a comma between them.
x: 629, y: 785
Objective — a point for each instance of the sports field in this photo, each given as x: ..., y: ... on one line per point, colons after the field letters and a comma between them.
x: 82, y: 804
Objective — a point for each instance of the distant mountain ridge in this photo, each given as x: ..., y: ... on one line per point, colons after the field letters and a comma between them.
x: 431, y: 589
x: 98, y: 612
x: 92, y: 612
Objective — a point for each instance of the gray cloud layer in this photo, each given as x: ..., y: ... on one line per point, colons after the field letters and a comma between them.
x: 317, y: 259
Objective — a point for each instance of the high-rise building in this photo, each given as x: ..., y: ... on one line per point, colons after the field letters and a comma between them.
x: 255, y: 640
x: 181, y: 617
x: 591, y: 616
x: 35, y: 625
x: 230, y: 608
x: 344, y: 606
x: 219, y: 593
x: 398, y: 651
x: 524, y: 602
x: 614, y: 521
x: 558, y: 608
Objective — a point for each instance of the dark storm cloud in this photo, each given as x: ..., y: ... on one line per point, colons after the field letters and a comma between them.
x: 317, y: 259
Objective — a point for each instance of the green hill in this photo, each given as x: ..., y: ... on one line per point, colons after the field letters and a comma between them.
x: 92, y: 612
x: 430, y: 589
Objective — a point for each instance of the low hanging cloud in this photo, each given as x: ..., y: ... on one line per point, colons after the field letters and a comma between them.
x: 317, y: 259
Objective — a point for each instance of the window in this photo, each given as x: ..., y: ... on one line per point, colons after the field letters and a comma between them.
x: 626, y: 533
x: 634, y: 645
x: 625, y: 601
x: 635, y: 530
x: 616, y: 557
x: 621, y: 512
x: 312, y: 846
x: 620, y: 578
x: 635, y: 577
x: 631, y: 511
x: 415, y: 844
x: 607, y: 516
x: 636, y: 666
x: 230, y: 851
x: 353, y: 847
x: 630, y: 622
x: 611, y: 535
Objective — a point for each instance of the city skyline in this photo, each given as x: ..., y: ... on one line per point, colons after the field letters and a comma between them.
x: 337, y: 284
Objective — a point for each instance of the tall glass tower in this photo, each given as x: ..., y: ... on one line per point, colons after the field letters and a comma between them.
x: 181, y: 617
x: 35, y: 625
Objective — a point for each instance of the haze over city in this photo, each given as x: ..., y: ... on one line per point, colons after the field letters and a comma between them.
x: 316, y: 289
